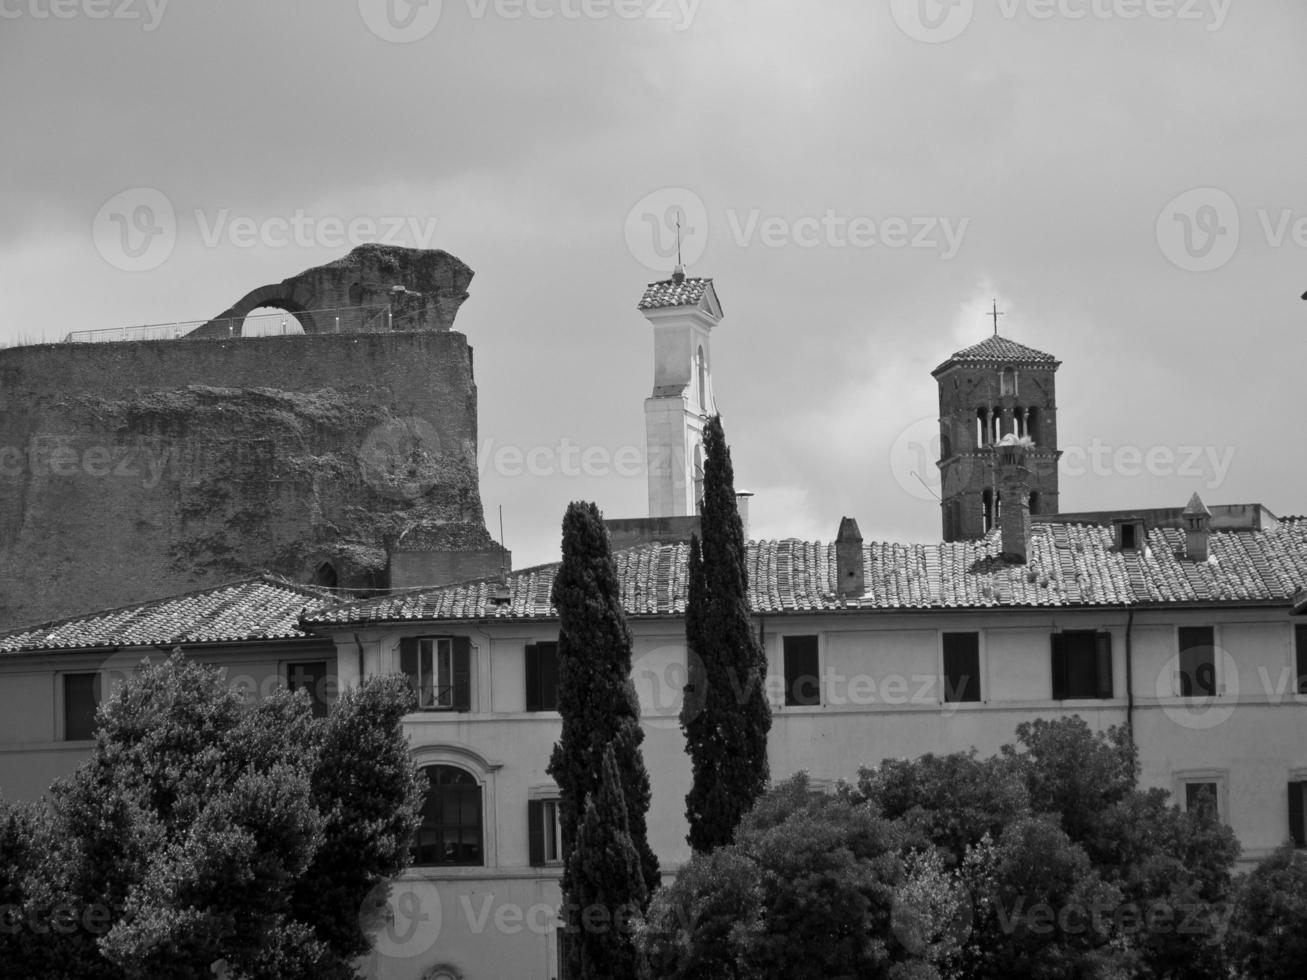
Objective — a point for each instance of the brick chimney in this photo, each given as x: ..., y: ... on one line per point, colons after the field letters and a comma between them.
x: 848, y: 559
x: 1197, y: 528
x: 1014, y: 485
x: 742, y: 505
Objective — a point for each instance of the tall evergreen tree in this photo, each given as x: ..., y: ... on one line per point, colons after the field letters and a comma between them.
x: 596, y: 699
x: 607, y: 886
x: 725, y: 716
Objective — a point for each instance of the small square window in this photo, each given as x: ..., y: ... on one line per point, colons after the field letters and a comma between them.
x: 1202, y: 789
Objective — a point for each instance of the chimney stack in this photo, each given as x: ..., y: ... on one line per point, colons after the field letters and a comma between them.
x: 1197, y: 528
x: 849, y: 579
x: 1014, y: 485
x: 742, y: 505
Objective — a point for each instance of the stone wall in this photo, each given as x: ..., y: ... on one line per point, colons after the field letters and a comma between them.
x: 139, y: 469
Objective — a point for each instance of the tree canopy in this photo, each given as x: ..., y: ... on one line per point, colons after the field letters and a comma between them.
x: 203, y: 829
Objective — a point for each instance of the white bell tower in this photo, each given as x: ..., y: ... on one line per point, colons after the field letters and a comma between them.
x: 683, y: 312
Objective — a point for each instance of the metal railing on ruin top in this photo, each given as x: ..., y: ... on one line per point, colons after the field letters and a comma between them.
x: 345, y: 319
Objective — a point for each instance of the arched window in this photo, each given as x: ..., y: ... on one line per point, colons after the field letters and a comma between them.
x: 325, y: 575
x: 1034, y: 502
x: 1032, y: 424
x: 450, y: 834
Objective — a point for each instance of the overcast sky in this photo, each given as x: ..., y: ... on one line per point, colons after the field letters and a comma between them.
x: 860, y: 177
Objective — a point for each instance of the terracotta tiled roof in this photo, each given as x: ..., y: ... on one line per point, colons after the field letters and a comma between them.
x: 258, y: 608
x: 1068, y: 566
x: 1001, y: 350
x: 669, y: 292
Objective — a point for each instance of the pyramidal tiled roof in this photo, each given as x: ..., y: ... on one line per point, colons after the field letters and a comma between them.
x: 1068, y: 566
x: 262, y: 607
x: 670, y: 293
x: 1000, y: 349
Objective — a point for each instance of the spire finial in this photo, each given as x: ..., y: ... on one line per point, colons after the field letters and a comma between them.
x: 995, y: 314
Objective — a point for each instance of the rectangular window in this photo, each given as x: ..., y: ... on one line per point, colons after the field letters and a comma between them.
x: 1082, y: 665
x: 311, y: 676
x: 81, y: 698
x: 802, y: 674
x: 961, y: 666
x: 1197, y: 662
x: 438, y: 669
x: 544, y: 836
x: 1201, y: 795
x: 1300, y: 655
x: 542, y: 676
x: 1298, y: 813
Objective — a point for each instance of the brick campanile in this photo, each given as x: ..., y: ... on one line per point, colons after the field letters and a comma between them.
x: 994, y: 389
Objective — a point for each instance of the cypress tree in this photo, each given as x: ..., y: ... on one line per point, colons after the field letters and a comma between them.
x: 725, y: 716
x: 596, y: 699
x: 608, y: 889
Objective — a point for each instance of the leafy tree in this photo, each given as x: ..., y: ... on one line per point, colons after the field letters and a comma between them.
x: 698, y: 926
x: 186, y: 835
x: 806, y: 892
x: 725, y: 717
x: 948, y: 801
x: 1041, y: 910
x: 1173, y: 868
x: 370, y: 793
x: 1268, y: 929
x: 596, y: 699
x: 607, y: 887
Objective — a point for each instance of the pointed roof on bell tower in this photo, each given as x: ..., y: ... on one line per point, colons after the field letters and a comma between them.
x: 999, y: 351
x: 682, y: 291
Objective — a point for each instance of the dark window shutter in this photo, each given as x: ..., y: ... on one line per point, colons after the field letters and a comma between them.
x: 1059, y: 666
x: 548, y: 675
x: 408, y: 660
x: 532, y: 677
x: 81, y: 698
x: 1103, y: 655
x: 535, y: 830
x: 802, y: 677
x: 1300, y: 655
x: 1296, y: 828
x: 961, y: 666
x: 462, y: 674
